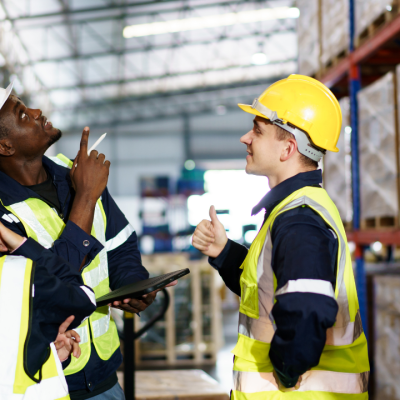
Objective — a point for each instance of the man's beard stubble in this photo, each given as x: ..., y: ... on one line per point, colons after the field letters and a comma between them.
x: 55, y: 138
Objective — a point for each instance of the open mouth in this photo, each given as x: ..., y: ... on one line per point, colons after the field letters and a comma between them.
x: 46, y: 123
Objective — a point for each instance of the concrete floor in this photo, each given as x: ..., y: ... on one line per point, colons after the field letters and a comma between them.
x: 222, y: 370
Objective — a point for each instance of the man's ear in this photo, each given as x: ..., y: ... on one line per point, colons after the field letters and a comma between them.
x: 6, y: 148
x: 289, y: 150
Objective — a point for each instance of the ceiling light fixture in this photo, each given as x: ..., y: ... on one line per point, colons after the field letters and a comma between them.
x: 259, y: 59
x: 211, y: 21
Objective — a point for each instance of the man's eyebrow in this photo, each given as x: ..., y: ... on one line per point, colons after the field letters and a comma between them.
x: 255, y: 122
x: 17, y: 104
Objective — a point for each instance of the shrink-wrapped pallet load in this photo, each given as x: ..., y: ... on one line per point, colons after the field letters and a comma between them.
x: 308, y: 36
x: 335, y: 30
x: 377, y: 147
x: 367, y: 11
x: 337, y: 168
x: 387, y: 337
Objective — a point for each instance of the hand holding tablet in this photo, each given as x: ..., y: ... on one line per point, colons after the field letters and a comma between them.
x: 140, y: 290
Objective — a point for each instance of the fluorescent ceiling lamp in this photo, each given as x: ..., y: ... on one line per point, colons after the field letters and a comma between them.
x: 259, y: 59
x: 211, y: 21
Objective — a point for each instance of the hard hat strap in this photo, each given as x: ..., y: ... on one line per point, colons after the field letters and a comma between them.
x: 304, y: 145
x: 271, y: 115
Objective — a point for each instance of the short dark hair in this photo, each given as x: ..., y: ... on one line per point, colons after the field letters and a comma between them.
x: 282, y: 134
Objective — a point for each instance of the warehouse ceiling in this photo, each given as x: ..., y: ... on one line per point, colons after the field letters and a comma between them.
x: 108, y: 63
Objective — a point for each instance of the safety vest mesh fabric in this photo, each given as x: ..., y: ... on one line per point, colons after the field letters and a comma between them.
x: 343, y: 370
x: 16, y: 277
x: 43, y: 224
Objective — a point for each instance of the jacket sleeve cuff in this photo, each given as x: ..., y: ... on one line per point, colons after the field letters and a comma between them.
x: 287, y: 382
x: 23, y: 241
x: 218, y: 262
x: 86, y: 244
x: 232, y: 254
x: 66, y: 363
x: 30, y: 249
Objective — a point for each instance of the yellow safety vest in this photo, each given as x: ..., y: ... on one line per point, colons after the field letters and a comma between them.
x: 16, y: 279
x: 44, y: 225
x: 343, y: 369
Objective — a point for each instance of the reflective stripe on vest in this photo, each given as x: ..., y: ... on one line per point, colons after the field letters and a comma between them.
x: 316, y: 286
x: 317, y: 381
x: 15, y: 307
x: 121, y: 238
x: 345, y: 340
x: 42, y: 236
x: 43, y: 224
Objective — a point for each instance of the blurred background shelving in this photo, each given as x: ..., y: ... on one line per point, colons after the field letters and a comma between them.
x: 362, y: 69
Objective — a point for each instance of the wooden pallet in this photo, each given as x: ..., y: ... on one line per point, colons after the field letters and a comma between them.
x: 380, y: 223
x: 200, y: 349
x: 378, y: 23
x: 348, y: 226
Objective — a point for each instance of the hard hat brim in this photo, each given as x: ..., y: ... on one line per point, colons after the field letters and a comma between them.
x: 249, y: 109
x: 7, y: 93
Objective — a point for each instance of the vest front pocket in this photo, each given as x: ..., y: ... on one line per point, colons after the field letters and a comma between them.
x: 249, y: 298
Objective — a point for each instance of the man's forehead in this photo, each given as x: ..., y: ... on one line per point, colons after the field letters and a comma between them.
x: 14, y: 99
x: 261, y: 119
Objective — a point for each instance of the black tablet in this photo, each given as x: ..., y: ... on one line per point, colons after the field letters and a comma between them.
x: 138, y: 289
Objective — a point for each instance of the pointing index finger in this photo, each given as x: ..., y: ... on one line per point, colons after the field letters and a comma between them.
x: 63, y: 327
x: 84, y: 140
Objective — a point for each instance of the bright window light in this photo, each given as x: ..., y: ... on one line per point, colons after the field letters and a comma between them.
x: 259, y: 59
x: 211, y: 21
x: 249, y: 236
x: 231, y: 190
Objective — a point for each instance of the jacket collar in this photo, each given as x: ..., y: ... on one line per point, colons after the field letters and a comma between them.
x: 12, y: 192
x: 286, y: 188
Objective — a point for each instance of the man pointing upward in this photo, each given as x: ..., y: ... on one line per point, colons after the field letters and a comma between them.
x: 67, y: 208
x: 300, y: 329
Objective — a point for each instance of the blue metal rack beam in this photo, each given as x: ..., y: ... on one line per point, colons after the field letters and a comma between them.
x: 354, y: 87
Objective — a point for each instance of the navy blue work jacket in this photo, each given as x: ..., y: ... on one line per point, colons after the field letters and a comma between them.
x: 303, y: 247
x: 54, y: 281
x: 124, y: 262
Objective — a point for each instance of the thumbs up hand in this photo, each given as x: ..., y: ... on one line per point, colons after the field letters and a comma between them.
x: 210, y: 236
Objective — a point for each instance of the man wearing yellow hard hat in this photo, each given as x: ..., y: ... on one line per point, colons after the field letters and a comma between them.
x: 300, y: 331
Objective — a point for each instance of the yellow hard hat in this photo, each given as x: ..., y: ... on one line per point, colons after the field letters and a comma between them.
x: 304, y: 103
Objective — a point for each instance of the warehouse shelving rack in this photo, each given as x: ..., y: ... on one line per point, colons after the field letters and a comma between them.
x: 363, y: 65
